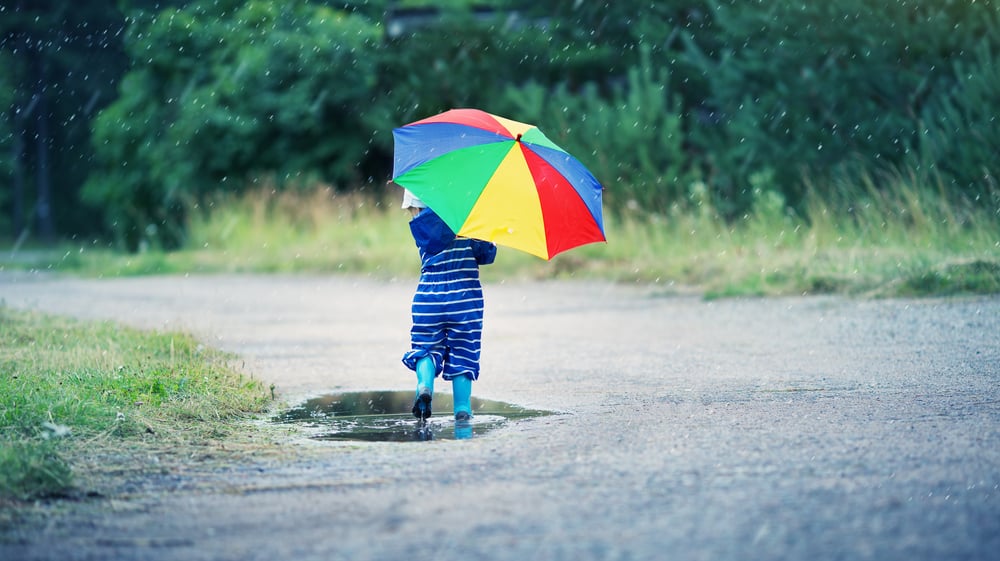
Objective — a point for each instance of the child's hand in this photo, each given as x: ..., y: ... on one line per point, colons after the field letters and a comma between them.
x: 485, y: 252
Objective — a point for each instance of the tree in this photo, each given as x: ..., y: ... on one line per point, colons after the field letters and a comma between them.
x: 602, y: 41
x: 959, y: 138
x: 225, y: 94
x: 10, y: 150
x: 825, y: 89
x: 62, y: 62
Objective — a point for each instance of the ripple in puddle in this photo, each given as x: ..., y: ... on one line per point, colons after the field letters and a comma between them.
x: 385, y: 416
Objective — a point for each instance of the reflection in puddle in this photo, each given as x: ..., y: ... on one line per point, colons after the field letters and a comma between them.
x: 386, y: 417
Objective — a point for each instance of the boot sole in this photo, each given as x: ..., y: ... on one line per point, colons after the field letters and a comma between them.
x: 422, y: 406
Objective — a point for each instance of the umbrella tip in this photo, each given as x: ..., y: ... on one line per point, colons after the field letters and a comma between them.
x: 518, y: 137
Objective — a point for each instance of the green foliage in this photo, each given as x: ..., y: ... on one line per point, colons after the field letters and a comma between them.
x: 6, y: 132
x: 960, y: 140
x: 826, y: 88
x: 63, y: 61
x: 228, y: 95
x: 632, y: 140
x: 599, y: 42
x: 453, y: 61
x: 971, y: 277
x: 667, y: 101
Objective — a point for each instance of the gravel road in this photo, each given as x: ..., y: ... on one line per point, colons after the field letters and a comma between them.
x: 790, y: 428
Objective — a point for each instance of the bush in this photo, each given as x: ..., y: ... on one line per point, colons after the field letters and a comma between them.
x: 664, y: 102
x: 825, y: 89
x: 452, y: 61
x: 632, y: 141
x: 222, y: 97
x: 960, y: 138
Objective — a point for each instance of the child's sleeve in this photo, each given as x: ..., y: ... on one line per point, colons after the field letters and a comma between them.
x: 430, y: 232
x: 485, y: 252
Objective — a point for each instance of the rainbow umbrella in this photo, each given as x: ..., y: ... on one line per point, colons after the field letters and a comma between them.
x: 499, y: 180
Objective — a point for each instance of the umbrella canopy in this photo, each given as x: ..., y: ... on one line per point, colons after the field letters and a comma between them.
x: 499, y: 180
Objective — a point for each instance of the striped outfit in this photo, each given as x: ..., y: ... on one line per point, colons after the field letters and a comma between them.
x: 448, y: 303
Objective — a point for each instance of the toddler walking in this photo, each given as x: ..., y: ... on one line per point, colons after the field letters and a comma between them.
x: 447, y: 310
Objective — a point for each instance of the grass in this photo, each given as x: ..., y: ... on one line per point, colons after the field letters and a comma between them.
x: 904, y: 242
x: 315, y: 231
x: 69, y: 387
x: 908, y: 240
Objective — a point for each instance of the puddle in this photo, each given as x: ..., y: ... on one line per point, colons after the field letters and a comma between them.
x: 385, y: 417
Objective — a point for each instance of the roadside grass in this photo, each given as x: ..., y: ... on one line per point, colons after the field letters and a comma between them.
x: 904, y: 242
x: 907, y: 240
x: 297, y: 231
x: 69, y: 389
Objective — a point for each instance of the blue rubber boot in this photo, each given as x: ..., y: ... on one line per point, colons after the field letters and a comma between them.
x: 425, y: 388
x: 461, y: 389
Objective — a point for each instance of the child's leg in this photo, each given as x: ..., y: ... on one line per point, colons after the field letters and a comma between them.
x: 461, y: 388
x: 425, y: 374
x: 425, y: 387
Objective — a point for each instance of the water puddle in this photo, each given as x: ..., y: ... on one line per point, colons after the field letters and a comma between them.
x: 385, y: 417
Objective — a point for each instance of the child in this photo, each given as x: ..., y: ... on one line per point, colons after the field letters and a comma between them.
x: 447, y: 310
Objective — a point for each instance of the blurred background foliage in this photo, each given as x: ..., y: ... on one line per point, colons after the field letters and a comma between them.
x: 122, y: 116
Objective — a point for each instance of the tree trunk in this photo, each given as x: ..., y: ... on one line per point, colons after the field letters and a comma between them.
x: 16, y: 156
x: 46, y: 226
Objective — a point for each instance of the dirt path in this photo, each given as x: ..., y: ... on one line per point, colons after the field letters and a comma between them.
x: 822, y: 428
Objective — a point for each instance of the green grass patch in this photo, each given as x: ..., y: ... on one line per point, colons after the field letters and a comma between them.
x: 67, y: 386
x: 974, y: 277
x: 901, y: 242
x: 907, y: 239
x: 32, y: 469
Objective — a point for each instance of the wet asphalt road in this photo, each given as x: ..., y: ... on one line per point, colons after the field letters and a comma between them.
x: 792, y: 428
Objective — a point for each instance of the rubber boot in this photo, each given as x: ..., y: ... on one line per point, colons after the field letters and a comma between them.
x: 425, y: 388
x: 461, y: 389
